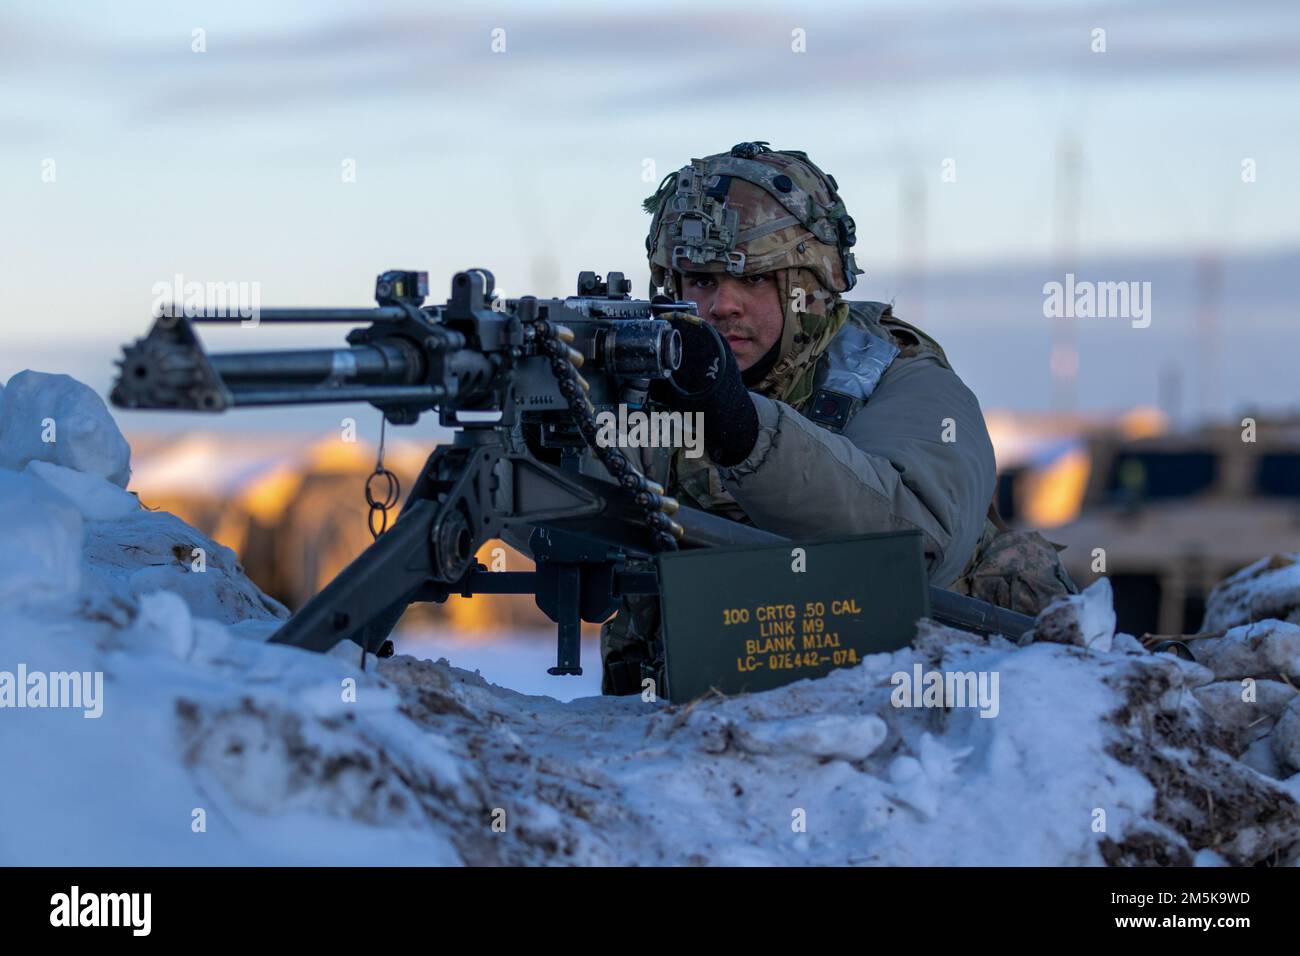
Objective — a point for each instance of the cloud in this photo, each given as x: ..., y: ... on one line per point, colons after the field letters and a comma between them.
x: 641, y: 61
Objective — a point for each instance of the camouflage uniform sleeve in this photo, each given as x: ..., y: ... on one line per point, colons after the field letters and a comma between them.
x: 891, y: 469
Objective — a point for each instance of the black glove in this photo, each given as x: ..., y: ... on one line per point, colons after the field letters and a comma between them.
x: 709, y: 381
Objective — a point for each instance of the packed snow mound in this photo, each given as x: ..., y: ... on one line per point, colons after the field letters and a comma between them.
x: 70, y: 534
x: 1269, y: 588
x: 40, y: 541
x: 1085, y: 620
x: 55, y: 418
x: 208, y: 746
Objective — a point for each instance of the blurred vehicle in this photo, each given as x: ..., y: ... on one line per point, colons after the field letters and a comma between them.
x: 1166, y: 516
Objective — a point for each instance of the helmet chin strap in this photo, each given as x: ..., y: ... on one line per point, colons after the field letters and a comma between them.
x: 786, y: 280
x: 805, y: 335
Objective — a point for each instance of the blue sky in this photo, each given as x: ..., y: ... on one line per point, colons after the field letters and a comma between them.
x: 226, y: 165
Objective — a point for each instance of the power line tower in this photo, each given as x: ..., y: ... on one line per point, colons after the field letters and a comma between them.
x: 1209, y: 292
x: 1063, y: 360
x: 911, y: 230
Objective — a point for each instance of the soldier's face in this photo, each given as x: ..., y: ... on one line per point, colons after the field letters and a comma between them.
x: 745, y: 309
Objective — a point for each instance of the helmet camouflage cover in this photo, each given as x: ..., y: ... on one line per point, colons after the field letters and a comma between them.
x: 757, y: 210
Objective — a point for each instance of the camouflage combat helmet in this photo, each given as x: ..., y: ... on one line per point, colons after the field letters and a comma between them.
x: 758, y: 210
x: 751, y: 210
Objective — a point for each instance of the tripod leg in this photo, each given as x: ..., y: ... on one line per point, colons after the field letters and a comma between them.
x: 364, y: 602
x: 457, y: 503
x: 568, y: 595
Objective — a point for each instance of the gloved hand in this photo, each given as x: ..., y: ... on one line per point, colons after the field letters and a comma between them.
x: 709, y: 381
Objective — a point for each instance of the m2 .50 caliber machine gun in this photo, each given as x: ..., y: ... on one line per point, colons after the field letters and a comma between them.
x: 532, y: 469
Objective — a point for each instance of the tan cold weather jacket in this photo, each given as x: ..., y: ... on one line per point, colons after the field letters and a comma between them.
x: 913, y: 454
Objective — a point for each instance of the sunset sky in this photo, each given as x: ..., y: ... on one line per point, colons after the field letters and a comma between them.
x: 226, y: 165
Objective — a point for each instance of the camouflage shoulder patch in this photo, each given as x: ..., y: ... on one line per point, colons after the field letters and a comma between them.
x: 912, y: 341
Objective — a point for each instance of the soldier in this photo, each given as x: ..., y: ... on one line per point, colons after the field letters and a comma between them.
x: 821, y: 416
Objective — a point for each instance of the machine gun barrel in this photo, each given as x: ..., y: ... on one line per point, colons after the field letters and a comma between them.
x: 402, y: 361
x: 392, y: 371
x: 372, y: 364
x: 311, y: 376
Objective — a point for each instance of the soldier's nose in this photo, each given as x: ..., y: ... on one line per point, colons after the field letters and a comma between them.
x: 726, y: 304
